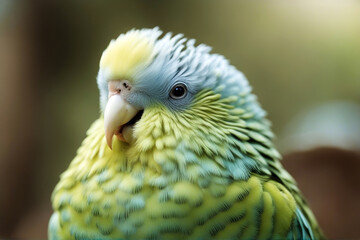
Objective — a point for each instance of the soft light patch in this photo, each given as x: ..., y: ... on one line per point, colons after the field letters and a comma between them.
x: 126, y: 54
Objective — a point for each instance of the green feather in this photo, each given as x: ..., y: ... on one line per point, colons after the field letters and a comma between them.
x: 202, y: 167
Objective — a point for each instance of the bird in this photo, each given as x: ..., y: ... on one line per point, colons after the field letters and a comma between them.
x: 181, y: 150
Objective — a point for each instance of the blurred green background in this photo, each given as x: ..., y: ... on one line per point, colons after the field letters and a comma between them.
x: 297, y: 55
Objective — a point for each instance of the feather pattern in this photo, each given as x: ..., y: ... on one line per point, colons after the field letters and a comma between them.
x: 204, y: 167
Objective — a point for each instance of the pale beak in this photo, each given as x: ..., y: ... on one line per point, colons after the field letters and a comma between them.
x: 117, y: 113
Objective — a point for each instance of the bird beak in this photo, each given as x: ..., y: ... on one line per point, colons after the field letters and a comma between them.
x: 117, y: 113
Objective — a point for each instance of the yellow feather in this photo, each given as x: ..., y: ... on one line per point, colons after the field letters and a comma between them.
x: 266, y: 222
x: 125, y: 55
x: 284, y: 205
x: 187, y: 192
x: 142, y: 188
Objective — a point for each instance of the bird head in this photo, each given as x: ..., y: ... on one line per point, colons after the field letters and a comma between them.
x: 164, y: 92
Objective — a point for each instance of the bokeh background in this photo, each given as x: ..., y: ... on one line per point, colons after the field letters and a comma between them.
x: 301, y: 57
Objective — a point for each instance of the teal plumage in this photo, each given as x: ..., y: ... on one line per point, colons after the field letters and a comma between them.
x: 193, y: 157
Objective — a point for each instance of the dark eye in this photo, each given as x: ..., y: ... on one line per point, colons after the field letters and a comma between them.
x: 178, y: 91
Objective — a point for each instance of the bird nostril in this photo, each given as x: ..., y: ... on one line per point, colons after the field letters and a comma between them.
x: 127, y: 85
x: 118, y: 86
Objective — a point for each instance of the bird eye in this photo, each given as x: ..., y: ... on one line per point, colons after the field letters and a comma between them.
x: 178, y: 91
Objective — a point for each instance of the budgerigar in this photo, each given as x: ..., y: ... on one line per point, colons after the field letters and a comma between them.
x: 181, y: 150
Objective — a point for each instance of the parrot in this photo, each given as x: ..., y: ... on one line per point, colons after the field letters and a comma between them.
x: 181, y: 150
